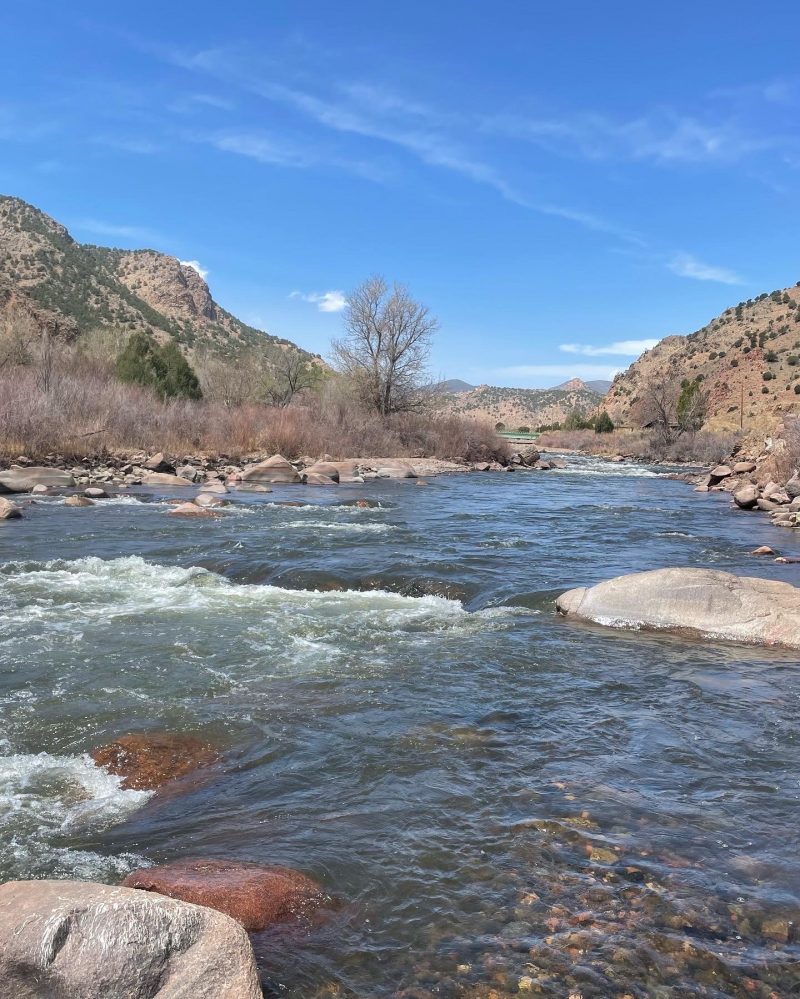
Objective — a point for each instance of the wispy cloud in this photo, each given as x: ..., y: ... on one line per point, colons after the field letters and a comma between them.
x: 661, y: 136
x: 326, y: 301
x: 128, y: 232
x: 371, y: 112
x: 685, y: 265
x: 621, y: 348
x: 195, y: 266
x: 278, y: 152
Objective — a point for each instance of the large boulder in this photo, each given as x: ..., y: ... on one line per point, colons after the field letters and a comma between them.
x: 159, y: 463
x: 720, y: 472
x: 78, y: 940
x: 274, y: 469
x: 793, y: 486
x: 22, y: 480
x: 326, y: 468
x: 9, y: 510
x: 529, y: 455
x: 746, y: 497
x: 348, y: 470
x: 164, y: 479
x: 254, y: 895
x: 701, y: 602
x: 148, y: 760
x: 743, y: 467
x: 317, y: 479
x: 395, y: 469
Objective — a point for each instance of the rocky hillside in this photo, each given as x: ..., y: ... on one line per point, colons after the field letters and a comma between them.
x: 517, y: 407
x: 748, y: 360
x: 76, y: 287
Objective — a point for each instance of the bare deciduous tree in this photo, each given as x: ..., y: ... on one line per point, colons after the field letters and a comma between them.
x: 291, y: 373
x: 386, y: 344
x: 18, y: 334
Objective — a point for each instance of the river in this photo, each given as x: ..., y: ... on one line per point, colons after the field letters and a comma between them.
x: 501, y: 801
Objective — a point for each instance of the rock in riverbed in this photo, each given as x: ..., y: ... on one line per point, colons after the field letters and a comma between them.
x: 701, y: 602
x: 22, y: 480
x: 148, y: 760
x: 77, y: 940
x: 274, y: 469
x: 254, y: 895
x: 78, y: 501
x: 9, y: 510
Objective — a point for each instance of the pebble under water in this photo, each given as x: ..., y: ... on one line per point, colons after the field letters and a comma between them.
x: 500, y: 801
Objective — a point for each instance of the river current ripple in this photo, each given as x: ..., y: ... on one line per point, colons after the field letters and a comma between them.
x: 502, y: 802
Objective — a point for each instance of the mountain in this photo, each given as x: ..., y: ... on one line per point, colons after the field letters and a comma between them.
x: 747, y: 359
x: 454, y: 385
x: 72, y: 288
x: 601, y: 385
x: 518, y: 407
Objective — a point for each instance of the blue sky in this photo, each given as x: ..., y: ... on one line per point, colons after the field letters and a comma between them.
x: 561, y: 183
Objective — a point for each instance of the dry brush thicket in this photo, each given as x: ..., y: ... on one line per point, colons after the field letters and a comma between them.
x: 79, y: 409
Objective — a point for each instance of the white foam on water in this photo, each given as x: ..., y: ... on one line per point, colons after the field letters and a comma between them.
x: 327, y: 525
x: 605, y: 468
x: 62, y: 792
x: 44, y: 798
x: 55, y: 601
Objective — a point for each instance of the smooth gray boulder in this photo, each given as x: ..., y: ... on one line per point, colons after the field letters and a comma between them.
x: 701, y: 602
x: 274, y: 469
x: 9, y: 510
x: 22, y: 480
x: 164, y: 479
x: 79, y: 940
x: 746, y: 497
x: 793, y: 486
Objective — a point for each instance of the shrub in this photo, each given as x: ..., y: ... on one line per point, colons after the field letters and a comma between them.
x: 768, y: 376
x: 603, y: 424
x: 771, y: 356
x: 164, y: 369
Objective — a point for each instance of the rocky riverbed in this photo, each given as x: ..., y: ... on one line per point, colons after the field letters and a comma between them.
x: 351, y: 718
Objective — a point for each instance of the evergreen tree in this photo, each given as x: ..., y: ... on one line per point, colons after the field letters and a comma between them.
x: 161, y: 368
x: 603, y: 423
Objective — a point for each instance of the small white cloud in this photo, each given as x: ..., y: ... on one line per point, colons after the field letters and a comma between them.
x: 196, y: 266
x: 327, y: 301
x: 685, y: 265
x: 622, y: 348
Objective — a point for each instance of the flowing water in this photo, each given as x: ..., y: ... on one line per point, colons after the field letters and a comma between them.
x: 501, y: 802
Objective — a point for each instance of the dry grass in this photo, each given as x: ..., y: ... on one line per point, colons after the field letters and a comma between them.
x: 87, y: 413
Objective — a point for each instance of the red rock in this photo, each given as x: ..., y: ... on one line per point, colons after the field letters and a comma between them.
x: 255, y: 895
x: 147, y: 760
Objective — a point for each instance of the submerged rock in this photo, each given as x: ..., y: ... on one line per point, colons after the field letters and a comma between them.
x: 190, y: 510
x: 147, y: 760
x: 256, y: 896
x: 78, y: 501
x: 702, y: 602
x: 78, y: 940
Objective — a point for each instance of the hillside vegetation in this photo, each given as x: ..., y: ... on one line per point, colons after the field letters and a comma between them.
x: 76, y: 291
x: 518, y: 407
x: 747, y: 361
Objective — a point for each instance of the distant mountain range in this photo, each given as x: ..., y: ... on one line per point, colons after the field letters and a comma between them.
x: 517, y: 407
